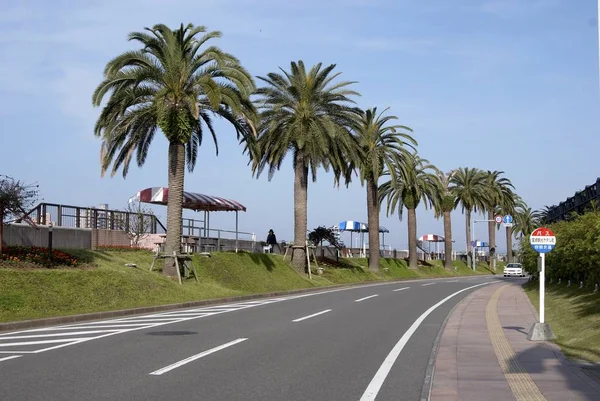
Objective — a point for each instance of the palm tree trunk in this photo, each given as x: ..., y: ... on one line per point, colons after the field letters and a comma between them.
x: 299, y: 261
x: 373, y: 221
x: 412, y: 239
x: 447, y: 240
x: 509, y: 253
x: 468, y: 231
x: 174, y: 205
x: 492, y: 239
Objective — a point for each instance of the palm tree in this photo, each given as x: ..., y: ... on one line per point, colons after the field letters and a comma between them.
x: 511, y: 204
x: 544, y: 214
x: 306, y: 113
x: 174, y: 83
x: 526, y: 220
x: 468, y: 185
x: 381, y: 145
x: 499, y: 188
x: 444, y: 203
x: 412, y: 180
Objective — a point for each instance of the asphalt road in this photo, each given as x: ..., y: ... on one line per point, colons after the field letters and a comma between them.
x: 363, y: 343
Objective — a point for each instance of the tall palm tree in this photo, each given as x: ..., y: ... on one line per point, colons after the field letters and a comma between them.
x: 444, y: 203
x: 381, y: 145
x: 174, y: 83
x: 511, y: 205
x: 312, y: 116
x: 499, y: 188
x: 412, y: 180
x: 469, y: 187
x: 544, y: 214
x: 526, y: 220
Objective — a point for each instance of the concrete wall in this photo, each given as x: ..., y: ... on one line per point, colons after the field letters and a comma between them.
x: 109, y: 237
x: 24, y: 234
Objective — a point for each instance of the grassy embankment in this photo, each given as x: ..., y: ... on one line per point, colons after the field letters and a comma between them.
x: 105, y: 283
x: 574, y: 316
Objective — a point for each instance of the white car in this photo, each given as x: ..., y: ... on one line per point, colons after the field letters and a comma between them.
x: 514, y: 269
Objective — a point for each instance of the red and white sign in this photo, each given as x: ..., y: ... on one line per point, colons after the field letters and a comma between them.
x: 542, y: 240
x: 498, y: 219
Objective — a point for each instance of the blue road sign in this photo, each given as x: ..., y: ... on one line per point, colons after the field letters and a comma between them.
x: 473, y: 243
x: 508, y: 219
x: 542, y: 248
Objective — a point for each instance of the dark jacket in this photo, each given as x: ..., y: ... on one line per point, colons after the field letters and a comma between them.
x: 271, y: 239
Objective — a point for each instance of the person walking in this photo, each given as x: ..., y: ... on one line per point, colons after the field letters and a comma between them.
x: 272, y: 241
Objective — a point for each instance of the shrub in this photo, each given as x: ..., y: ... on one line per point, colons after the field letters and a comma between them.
x: 576, y: 255
x: 38, y: 256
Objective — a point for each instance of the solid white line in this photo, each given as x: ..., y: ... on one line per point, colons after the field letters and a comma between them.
x: 9, y: 357
x: 423, y: 285
x: 370, y: 296
x: 377, y: 381
x: 17, y: 352
x: 150, y: 320
x: 74, y: 333
x: 64, y: 340
x: 400, y: 289
x: 197, y: 356
x: 313, y: 315
x: 117, y: 327
x: 180, y: 315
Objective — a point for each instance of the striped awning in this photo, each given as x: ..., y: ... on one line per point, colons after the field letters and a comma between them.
x: 351, y: 225
x: 432, y: 238
x: 191, y: 200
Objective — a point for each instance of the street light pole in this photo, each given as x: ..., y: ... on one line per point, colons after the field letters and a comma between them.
x: 473, y: 247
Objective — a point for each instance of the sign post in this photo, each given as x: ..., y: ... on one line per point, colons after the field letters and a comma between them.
x: 542, y: 240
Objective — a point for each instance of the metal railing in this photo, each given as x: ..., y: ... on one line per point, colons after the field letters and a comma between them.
x: 91, y: 217
x: 578, y: 203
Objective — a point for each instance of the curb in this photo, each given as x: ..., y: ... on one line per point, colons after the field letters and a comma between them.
x: 52, y: 321
x: 428, y: 382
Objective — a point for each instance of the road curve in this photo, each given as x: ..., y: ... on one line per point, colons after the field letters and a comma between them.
x: 370, y: 342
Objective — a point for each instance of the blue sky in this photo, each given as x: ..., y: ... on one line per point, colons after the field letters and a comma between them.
x: 506, y: 85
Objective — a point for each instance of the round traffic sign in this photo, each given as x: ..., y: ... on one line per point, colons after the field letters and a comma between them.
x: 542, y: 240
x: 498, y: 219
x: 508, y: 219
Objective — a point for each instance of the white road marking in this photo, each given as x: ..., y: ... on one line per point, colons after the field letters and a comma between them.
x: 71, y: 333
x: 93, y: 326
x: 119, y: 325
x: 370, y: 296
x: 313, y: 315
x: 62, y: 340
x: 377, y: 381
x: 9, y: 357
x: 197, y: 356
x: 451, y: 281
x: 423, y: 285
x: 400, y: 289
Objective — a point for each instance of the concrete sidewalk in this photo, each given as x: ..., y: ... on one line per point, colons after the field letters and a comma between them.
x: 484, y: 354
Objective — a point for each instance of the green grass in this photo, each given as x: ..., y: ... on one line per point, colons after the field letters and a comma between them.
x: 107, y: 284
x: 574, y: 316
